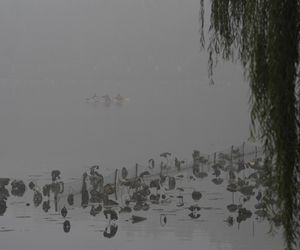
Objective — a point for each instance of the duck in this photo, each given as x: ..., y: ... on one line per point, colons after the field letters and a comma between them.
x: 107, y: 99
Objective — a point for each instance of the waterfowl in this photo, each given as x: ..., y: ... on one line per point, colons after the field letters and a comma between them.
x: 107, y: 99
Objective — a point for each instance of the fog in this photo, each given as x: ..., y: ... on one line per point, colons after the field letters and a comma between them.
x: 55, y: 54
x: 58, y: 58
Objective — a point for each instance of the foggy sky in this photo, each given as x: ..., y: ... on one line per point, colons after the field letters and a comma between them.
x: 54, y: 54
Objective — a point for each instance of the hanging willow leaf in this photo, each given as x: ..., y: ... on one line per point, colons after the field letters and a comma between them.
x: 264, y: 35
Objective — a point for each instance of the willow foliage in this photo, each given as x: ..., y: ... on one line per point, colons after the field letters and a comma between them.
x: 264, y: 36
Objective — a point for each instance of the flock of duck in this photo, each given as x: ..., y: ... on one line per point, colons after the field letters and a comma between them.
x: 132, y: 191
x: 106, y: 99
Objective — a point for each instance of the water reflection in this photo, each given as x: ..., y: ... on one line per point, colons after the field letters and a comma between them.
x: 162, y: 195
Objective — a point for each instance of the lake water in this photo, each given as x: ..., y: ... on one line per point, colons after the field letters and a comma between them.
x: 171, y: 223
x: 57, y: 60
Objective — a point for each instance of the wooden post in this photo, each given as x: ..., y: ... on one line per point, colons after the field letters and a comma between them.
x: 136, y: 170
x: 231, y: 161
x: 208, y: 163
x: 116, y: 180
x: 56, y: 202
x: 215, y: 158
x: 243, y: 152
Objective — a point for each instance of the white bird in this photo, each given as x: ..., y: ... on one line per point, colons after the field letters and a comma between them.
x: 93, y: 99
x: 120, y: 99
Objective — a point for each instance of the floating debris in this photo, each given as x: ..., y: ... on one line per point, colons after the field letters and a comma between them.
x: 260, y: 205
x: 217, y: 181
x: 37, y: 198
x: 159, y: 189
x: 110, y: 214
x: 31, y: 185
x: 84, y: 192
x: 163, y: 220
x: 258, y: 196
x: 261, y: 213
x: 46, y: 206
x: 55, y: 174
x: 4, y: 182
x: 229, y: 221
x: 243, y: 215
x: 124, y: 173
x: 180, y: 201
x: 64, y: 212
x: 246, y: 190
x: 70, y: 199
x: 95, y: 210
x: 217, y: 172
x: 165, y: 155
x: 137, y: 219
x: 110, y: 230
x: 3, y: 207
x: 144, y: 174
x: 232, y: 208
x: 67, y: 226
x: 18, y: 188
x: 195, y: 212
x: 6, y: 230
x: 196, y: 195
x: 125, y: 209
x: 194, y: 207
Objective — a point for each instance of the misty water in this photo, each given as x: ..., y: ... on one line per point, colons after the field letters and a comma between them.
x: 57, y: 60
